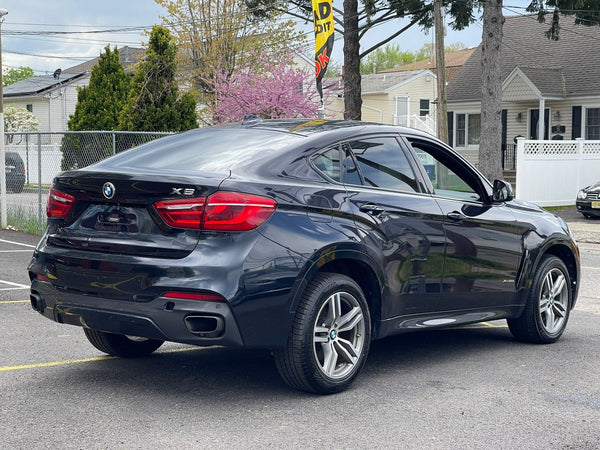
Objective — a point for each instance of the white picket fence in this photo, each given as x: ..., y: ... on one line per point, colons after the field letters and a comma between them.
x: 550, y: 173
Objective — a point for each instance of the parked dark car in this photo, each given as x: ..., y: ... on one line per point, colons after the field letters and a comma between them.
x: 588, y: 201
x: 15, y: 172
x: 310, y: 238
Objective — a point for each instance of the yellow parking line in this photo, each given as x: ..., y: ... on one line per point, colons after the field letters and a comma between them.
x: 84, y: 360
x: 13, y: 301
x: 55, y: 363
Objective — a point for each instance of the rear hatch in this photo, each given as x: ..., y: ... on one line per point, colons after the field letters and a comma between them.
x: 117, y: 213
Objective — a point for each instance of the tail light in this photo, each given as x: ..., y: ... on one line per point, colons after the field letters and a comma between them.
x: 59, y: 204
x: 222, y: 211
x: 186, y: 213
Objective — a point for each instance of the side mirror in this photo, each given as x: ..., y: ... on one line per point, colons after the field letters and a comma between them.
x: 503, y: 191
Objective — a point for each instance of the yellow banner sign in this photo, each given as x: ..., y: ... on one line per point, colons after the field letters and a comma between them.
x: 323, y: 20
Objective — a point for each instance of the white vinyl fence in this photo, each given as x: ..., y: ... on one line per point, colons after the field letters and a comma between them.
x: 550, y: 173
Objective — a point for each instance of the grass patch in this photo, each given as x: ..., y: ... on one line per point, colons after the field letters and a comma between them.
x: 24, y: 219
x: 558, y: 208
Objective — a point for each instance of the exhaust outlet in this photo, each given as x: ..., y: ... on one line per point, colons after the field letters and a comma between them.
x: 205, y: 326
x: 37, y: 302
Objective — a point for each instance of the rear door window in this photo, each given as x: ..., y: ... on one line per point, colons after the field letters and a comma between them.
x: 383, y: 164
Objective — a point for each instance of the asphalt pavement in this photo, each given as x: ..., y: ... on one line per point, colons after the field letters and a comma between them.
x: 473, y: 387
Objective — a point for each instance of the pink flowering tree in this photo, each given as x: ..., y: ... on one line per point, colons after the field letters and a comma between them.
x: 275, y: 89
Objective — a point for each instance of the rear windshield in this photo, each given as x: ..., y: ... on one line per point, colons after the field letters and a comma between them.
x: 213, y: 149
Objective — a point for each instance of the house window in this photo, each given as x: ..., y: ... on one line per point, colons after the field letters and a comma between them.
x: 424, y: 107
x: 468, y: 129
x: 592, y: 123
x: 474, y: 130
x: 29, y: 107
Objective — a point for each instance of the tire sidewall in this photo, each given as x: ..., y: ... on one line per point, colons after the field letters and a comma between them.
x: 333, y: 284
x: 547, y: 265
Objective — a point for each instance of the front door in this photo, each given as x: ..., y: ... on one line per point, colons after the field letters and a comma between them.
x: 483, y: 249
x: 534, y: 118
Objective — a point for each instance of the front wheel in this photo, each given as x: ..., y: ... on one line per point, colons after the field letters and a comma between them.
x: 121, y: 345
x: 546, y: 312
x: 330, y: 337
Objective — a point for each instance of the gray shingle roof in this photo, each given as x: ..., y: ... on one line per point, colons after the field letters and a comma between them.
x: 38, y: 85
x: 375, y: 83
x: 569, y: 66
x: 128, y: 57
x: 550, y: 81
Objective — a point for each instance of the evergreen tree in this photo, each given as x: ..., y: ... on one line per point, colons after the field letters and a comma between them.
x: 154, y: 103
x: 99, y: 105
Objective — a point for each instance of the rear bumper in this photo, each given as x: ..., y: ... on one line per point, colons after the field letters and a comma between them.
x: 187, y: 321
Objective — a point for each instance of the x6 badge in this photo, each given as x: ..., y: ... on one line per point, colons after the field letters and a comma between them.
x: 182, y: 191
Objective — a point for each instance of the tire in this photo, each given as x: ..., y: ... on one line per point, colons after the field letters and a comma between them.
x: 121, y: 345
x: 546, y: 312
x: 330, y: 337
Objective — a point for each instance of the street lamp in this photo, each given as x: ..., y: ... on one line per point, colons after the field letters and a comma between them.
x: 3, y: 12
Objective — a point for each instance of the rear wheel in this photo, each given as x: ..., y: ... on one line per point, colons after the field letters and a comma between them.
x: 121, y: 345
x: 548, y: 304
x: 330, y: 337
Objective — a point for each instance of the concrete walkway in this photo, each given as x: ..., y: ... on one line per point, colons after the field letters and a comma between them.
x: 585, y: 230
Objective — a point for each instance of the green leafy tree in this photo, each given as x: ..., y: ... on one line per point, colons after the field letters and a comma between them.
x: 154, y: 103
x: 218, y: 36
x: 386, y: 57
x: 11, y: 76
x: 391, y: 55
x: 99, y: 105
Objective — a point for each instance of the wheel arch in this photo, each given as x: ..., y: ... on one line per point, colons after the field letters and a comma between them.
x: 562, y: 248
x: 353, y: 263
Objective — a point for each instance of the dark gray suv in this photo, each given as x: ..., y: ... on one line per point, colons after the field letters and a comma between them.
x: 15, y: 172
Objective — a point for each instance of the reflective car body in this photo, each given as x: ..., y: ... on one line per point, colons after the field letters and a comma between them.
x: 588, y: 200
x: 411, y: 233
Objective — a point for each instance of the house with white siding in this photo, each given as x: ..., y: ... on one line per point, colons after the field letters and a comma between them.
x: 560, y: 78
x: 52, y: 98
x: 399, y: 98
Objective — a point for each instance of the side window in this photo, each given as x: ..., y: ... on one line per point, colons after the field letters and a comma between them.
x: 383, y: 164
x: 447, y: 181
x: 328, y: 162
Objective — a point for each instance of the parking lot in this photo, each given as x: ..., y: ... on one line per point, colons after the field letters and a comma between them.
x: 473, y: 387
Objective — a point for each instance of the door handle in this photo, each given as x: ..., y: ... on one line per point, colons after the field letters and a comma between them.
x: 456, y: 216
x: 371, y: 208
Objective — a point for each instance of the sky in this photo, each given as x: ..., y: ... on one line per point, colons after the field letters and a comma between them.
x: 84, y: 27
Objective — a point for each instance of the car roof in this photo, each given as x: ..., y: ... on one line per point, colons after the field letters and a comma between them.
x: 309, y: 127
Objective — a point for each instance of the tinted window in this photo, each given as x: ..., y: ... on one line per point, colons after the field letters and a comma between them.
x: 383, y: 164
x: 328, y: 162
x: 448, y: 180
x: 207, y: 149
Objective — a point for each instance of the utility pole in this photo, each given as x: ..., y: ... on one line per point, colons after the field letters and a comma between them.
x: 4, y: 222
x: 440, y: 58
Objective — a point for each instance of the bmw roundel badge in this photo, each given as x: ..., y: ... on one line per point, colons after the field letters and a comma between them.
x: 108, y: 190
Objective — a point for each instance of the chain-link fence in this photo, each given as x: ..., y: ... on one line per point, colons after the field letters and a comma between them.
x: 34, y: 158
